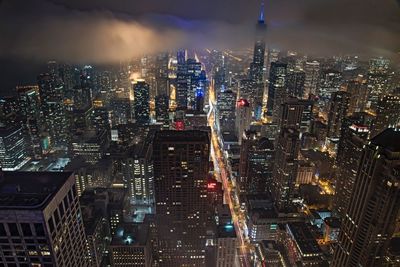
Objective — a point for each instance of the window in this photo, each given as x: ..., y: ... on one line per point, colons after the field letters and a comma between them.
x: 2, y: 230
x: 26, y: 229
x: 51, y: 224
x: 12, y: 227
x: 39, y: 229
x: 61, y: 209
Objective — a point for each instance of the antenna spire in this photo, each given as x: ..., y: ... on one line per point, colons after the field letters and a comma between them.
x: 261, y: 18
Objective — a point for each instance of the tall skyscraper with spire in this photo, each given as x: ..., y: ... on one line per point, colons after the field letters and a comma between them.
x: 257, y: 66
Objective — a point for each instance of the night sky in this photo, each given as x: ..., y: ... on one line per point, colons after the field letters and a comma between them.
x: 35, y: 31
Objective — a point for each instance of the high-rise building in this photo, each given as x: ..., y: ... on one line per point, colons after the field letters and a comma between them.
x: 276, y: 89
x: 331, y: 80
x: 378, y: 80
x: 374, y: 205
x: 137, y: 170
x: 182, y: 81
x: 28, y: 98
x: 243, y: 117
x: 40, y: 220
x: 141, y: 91
x: 339, y: 106
x: 226, y: 243
x: 354, y: 137
x: 295, y: 83
x: 53, y: 110
x: 285, y: 169
x: 358, y: 95
x: 297, y: 114
x: 13, y: 148
x: 162, y: 80
x: 387, y: 113
x: 256, y: 163
x: 226, y: 104
x: 181, y: 164
x: 311, y: 82
x: 257, y: 73
x: 162, y: 108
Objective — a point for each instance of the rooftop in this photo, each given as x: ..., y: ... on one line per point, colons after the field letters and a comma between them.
x: 306, y: 242
x: 226, y: 231
x: 389, y: 139
x: 131, y: 234
x: 29, y: 190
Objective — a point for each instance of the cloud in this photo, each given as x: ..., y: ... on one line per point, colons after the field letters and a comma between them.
x: 110, y: 31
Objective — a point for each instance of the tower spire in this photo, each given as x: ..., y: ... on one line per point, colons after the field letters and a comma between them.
x: 261, y: 17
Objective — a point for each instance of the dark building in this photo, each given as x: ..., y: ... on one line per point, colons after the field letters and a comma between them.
x: 338, y: 111
x: 256, y: 163
x: 41, y: 222
x: 295, y: 83
x: 141, y: 91
x: 372, y: 212
x: 276, y: 89
x: 226, y: 103
x: 162, y: 108
x: 181, y: 165
x: 354, y: 137
x: 296, y: 113
x: 285, y: 169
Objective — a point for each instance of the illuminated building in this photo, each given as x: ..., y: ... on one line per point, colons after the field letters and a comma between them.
x: 339, y: 106
x: 28, y: 98
x: 53, y: 110
x: 137, y: 170
x: 354, y: 137
x: 305, y: 173
x: 13, y: 148
x: 373, y: 209
x: 256, y: 163
x: 181, y: 166
x: 41, y: 221
x: 182, y: 81
x: 99, y: 119
x: 276, y: 89
x: 226, y: 243
x: 243, y: 118
x: 285, y: 169
x: 161, y: 75
x: 120, y: 111
x: 331, y: 80
x: 226, y: 103
x: 90, y: 145
x: 378, y: 80
x: 141, y: 92
x: 162, y: 108
x: 331, y: 229
x: 130, y: 246
x: 311, y: 82
x: 256, y: 73
x: 387, y: 113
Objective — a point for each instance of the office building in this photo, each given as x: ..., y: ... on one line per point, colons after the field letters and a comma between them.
x: 226, y: 104
x: 296, y: 113
x: 285, y: 169
x: 141, y: 91
x: 387, y: 114
x: 13, y: 148
x: 276, y: 89
x: 181, y: 165
x: 339, y: 106
x: 226, y: 243
x: 371, y: 215
x: 40, y: 220
x: 311, y: 82
x: 243, y: 118
x: 295, y: 83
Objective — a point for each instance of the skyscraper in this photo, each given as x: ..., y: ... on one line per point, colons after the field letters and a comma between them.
x: 276, y: 89
x: 387, y: 113
x: 374, y: 205
x: 339, y: 106
x: 141, y: 91
x: 53, y: 110
x: 358, y: 95
x: 285, y: 169
x: 182, y: 82
x: 353, y: 137
x: 295, y: 83
x: 40, y: 220
x: 256, y: 73
x: 162, y: 108
x: 331, y: 80
x: 243, y: 117
x: 378, y: 80
x: 226, y: 103
x: 181, y: 163
x: 311, y: 82
x: 13, y: 148
x: 296, y: 113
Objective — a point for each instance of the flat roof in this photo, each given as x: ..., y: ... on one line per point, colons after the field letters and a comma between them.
x: 226, y: 231
x: 131, y: 234
x: 304, y: 239
x: 388, y: 139
x: 29, y: 190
